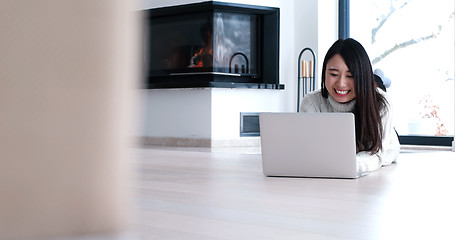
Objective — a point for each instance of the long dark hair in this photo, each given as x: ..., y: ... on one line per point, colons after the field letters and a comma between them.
x: 369, y: 103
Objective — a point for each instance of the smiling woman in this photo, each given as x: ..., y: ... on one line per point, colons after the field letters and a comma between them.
x: 348, y: 86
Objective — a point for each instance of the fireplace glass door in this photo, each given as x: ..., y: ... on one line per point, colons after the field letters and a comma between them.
x: 205, y: 42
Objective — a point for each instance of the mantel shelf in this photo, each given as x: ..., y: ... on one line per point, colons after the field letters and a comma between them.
x: 215, y: 85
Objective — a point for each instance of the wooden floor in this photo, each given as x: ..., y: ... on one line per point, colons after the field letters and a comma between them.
x: 188, y: 194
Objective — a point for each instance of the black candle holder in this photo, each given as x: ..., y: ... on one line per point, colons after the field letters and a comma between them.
x: 306, y: 76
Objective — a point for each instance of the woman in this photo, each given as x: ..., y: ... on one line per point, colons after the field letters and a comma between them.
x: 348, y: 86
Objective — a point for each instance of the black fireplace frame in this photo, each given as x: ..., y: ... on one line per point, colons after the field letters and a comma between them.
x: 268, y: 48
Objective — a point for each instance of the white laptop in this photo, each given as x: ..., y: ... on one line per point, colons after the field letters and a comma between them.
x: 308, y: 145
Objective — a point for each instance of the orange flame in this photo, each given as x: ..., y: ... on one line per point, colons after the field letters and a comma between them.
x: 198, y: 58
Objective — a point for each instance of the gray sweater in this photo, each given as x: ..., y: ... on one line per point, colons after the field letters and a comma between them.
x: 314, y: 102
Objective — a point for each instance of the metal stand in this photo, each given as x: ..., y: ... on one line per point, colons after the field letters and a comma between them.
x: 306, y: 75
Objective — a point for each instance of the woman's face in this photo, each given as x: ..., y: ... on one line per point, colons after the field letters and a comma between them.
x: 338, y: 80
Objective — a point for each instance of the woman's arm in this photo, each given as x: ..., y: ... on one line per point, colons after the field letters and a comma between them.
x: 390, y: 144
x: 367, y: 162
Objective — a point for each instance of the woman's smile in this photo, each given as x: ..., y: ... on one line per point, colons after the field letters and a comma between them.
x: 341, y: 92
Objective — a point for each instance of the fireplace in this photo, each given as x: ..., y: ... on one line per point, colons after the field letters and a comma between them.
x: 212, y: 44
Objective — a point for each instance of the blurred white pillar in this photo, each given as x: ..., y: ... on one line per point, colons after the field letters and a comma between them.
x: 67, y: 69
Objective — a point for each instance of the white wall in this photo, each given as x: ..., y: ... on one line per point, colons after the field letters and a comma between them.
x: 178, y: 113
x: 305, y: 33
x: 327, y: 29
x: 228, y: 103
x: 147, y: 4
x: 215, y: 113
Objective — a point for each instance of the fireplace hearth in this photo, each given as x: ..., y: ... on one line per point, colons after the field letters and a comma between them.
x: 212, y: 44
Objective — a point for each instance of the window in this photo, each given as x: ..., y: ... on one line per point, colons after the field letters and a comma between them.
x: 412, y: 42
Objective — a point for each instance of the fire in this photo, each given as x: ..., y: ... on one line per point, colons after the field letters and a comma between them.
x: 199, y: 64
x: 204, y: 56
